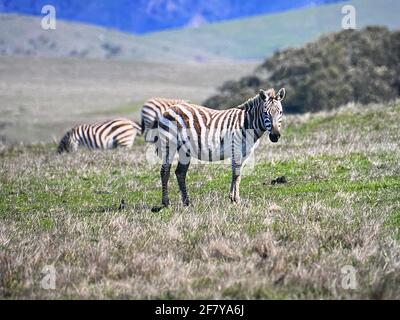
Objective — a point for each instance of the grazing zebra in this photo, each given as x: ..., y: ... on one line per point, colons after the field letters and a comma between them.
x: 152, y: 110
x: 212, y: 135
x: 108, y: 134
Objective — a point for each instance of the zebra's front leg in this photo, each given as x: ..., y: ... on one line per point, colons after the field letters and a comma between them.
x: 180, y: 173
x: 165, y: 172
x: 234, y: 194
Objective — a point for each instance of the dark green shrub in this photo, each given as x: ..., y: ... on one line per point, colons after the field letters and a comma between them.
x: 361, y: 66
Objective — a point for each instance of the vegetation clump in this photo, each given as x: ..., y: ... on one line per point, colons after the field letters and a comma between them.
x: 361, y: 66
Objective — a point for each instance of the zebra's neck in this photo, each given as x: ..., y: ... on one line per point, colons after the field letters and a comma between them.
x: 254, y: 115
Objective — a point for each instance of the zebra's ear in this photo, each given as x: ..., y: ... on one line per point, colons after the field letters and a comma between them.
x: 263, y: 94
x: 281, y: 94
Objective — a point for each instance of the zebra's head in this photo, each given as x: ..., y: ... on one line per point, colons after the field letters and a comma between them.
x: 272, y: 111
x: 65, y: 144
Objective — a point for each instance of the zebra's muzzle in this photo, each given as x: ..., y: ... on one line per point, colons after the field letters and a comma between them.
x: 274, y: 137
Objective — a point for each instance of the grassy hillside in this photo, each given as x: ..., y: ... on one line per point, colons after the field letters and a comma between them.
x: 250, y: 38
x: 24, y: 36
x: 340, y: 206
x: 360, y: 66
x: 259, y: 37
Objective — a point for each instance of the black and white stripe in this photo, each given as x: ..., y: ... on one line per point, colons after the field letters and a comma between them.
x: 211, y: 135
x: 151, y: 112
x: 119, y: 132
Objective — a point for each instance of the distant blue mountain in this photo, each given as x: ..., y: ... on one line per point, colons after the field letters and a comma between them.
x: 141, y: 16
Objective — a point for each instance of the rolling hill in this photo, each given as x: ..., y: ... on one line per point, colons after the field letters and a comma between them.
x: 141, y: 16
x: 338, y: 68
x: 249, y: 38
x: 259, y: 37
x: 23, y: 36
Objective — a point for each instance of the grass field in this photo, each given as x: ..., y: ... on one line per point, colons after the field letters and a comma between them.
x: 40, y: 98
x: 340, y: 207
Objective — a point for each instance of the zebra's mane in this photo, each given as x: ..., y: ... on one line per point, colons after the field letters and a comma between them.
x: 250, y: 103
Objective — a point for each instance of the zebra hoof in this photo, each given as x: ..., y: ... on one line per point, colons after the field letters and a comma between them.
x: 157, y: 208
x: 235, y: 200
x: 121, y: 205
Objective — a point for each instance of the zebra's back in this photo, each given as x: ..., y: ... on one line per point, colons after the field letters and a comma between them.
x: 118, y: 132
x: 151, y: 112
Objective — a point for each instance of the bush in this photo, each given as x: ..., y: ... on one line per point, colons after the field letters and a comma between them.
x: 361, y: 66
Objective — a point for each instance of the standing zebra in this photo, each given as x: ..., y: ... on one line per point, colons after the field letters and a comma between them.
x: 212, y: 135
x: 152, y: 110
x: 108, y: 134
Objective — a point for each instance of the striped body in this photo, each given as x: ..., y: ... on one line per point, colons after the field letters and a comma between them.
x: 151, y: 112
x: 212, y: 135
x: 206, y: 134
x: 109, y: 134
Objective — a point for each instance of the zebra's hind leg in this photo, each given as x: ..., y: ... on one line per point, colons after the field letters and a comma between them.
x: 167, y: 152
x: 180, y: 173
x: 165, y: 173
